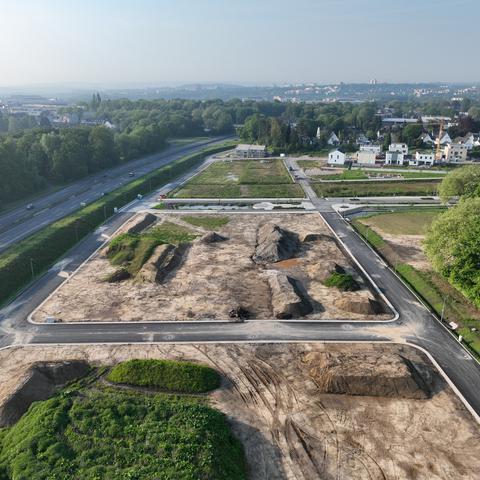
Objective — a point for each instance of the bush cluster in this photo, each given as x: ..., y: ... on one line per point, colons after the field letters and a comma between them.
x: 169, y: 375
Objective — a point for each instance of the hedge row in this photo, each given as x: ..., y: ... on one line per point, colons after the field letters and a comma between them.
x: 43, y: 248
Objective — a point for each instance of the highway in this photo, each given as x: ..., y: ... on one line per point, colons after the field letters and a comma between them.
x: 413, y: 324
x: 20, y: 222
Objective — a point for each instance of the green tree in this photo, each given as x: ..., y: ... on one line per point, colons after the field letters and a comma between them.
x: 453, y: 246
x: 102, y: 145
x: 464, y: 181
x: 412, y: 132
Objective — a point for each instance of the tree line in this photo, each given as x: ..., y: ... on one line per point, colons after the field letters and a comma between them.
x: 453, y: 241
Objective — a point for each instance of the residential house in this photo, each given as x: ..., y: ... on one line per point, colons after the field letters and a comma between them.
x: 333, y: 139
x: 366, y: 157
x: 371, y: 148
x: 422, y: 159
x: 455, y: 153
x: 394, y: 158
x: 363, y: 140
x: 251, y: 151
x: 398, y: 147
x: 336, y: 157
x: 444, y: 140
x: 427, y: 139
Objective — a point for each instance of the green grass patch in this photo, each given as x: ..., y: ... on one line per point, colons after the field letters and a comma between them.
x: 345, y: 175
x: 110, y: 434
x: 168, y: 375
x: 411, y: 222
x: 378, y: 189
x: 370, y: 235
x: 209, y: 222
x: 242, y: 179
x: 132, y: 250
x: 342, y: 281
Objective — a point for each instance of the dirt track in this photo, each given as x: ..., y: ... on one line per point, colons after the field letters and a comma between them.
x: 291, y: 430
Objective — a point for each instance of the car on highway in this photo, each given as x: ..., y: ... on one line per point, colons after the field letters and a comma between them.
x: 30, y: 206
x: 131, y: 174
x: 83, y: 204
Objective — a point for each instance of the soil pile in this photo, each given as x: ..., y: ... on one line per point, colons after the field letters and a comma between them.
x: 287, y: 302
x: 143, y: 222
x: 362, y: 306
x: 274, y: 244
x: 151, y: 270
x: 213, y: 237
x: 369, y: 375
x: 40, y: 383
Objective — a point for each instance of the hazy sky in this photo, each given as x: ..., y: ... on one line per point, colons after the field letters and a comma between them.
x: 113, y: 42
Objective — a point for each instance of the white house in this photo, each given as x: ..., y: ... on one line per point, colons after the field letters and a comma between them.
x: 445, y: 139
x: 398, y: 147
x: 366, y: 157
x: 371, y: 148
x: 333, y: 139
x: 336, y: 157
x: 363, y: 140
x: 251, y: 151
x: 422, y: 159
x: 394, y: 158
x: 427, y: 139
x: 455, y: 153
x: 319, y: 133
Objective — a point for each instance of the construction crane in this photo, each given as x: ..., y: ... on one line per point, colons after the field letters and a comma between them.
x: 439, y: 154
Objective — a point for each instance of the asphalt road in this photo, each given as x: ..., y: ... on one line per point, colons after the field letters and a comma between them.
x: 415, y: 324
x: 20, y: 222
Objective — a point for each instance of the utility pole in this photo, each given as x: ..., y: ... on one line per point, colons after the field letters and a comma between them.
x: 32, y: 269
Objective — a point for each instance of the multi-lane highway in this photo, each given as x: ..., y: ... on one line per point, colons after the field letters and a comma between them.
x: 413, y: 323
x: 20, y: 222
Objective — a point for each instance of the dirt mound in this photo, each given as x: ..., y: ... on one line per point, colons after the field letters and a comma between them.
x: 274, y: 244
x: 152, y: 268
x: 362, y: 306
x: 41, y: 382
x: 322, y: 271
x: 142, y: 222
x: 118, y: 275
x: 213, y: 237
x: 316, y: 237
x: 369, y: 375
x: 287, y: 302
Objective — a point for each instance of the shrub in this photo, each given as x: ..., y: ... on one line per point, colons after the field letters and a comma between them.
x: 343, y: 281
x: 185, y: 377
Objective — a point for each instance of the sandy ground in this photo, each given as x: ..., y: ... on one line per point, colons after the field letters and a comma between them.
x: 290, y: 429
x: 211, y: 280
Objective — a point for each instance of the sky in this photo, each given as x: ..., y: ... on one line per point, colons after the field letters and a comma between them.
x: 170, y: 42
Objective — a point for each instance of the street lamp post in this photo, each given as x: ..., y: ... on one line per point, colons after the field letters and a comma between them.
x: 443, y: 309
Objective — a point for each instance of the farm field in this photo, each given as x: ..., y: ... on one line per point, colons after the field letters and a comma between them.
x: 241, y: 179
x: 365, y: 174
x: 376, y: 189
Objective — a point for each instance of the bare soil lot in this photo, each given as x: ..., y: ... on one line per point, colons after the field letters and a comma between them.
x: 314, y: 411
x: 264, y: 265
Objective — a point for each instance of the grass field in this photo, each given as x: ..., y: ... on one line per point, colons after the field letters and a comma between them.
x: 311, y: 163
x: 96, y: 432
x: 209, y: 222
x: 242, y: 179
x: 411, y: 222
x: 369, y: 189
x: 365, y: 174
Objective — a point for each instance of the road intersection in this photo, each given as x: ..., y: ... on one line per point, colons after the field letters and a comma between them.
x: 413, y: 323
